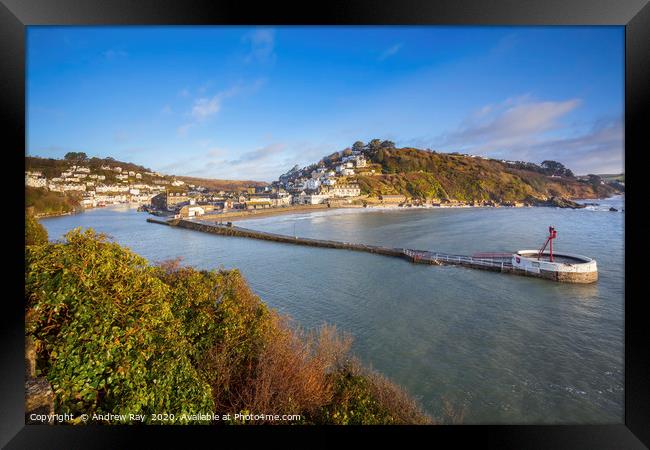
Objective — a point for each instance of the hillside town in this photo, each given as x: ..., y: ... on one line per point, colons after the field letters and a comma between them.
x: 166, y: 195
x: 298, y: 187
x: 107, y: 186
x: 334, y: 181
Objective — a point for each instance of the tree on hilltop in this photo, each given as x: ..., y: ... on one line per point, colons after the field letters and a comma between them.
x: 556, y: 168
x: 75, y: 156
x: 375, y: 144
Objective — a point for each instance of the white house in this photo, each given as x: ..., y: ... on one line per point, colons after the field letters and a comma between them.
x: 73, y: 187
x: 345, y: 190
x: 312, y: 183
x: 34, y: 180
x: 313, y: 199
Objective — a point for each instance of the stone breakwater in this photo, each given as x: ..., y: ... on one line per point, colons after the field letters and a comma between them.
x: 503, y: 265
x: 244, y: 232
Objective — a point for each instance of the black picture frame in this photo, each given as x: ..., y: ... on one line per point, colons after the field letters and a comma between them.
x: 15, y: 15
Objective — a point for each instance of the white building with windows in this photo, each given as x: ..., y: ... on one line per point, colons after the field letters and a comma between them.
x: 344, y: 190
x: 310, y: 199
x: 34, y: 179
x: 312, y: 183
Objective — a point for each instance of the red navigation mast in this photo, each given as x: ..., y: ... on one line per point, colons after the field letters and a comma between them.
x: 552, y: 234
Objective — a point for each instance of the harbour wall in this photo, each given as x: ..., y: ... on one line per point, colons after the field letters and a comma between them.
x: 415, y: 256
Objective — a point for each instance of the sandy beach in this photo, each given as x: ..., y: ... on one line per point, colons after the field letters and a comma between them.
x: 232, y: 216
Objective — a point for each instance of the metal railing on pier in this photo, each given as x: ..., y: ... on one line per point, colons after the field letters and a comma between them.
x: 445, y: 258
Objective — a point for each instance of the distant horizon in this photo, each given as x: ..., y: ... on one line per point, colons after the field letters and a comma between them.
x: 249, y: 103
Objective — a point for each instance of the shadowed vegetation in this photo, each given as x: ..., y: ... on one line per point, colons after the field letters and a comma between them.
x: 42, y: 202
x: 114, y: 334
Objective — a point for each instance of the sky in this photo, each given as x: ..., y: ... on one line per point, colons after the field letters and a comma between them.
x: 251, y: 102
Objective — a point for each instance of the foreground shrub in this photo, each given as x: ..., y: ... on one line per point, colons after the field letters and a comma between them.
x: 106, y: 337
x: 35, y: 233
x: 364, y: 397
x: 116, y: 335
x: 45, y: 202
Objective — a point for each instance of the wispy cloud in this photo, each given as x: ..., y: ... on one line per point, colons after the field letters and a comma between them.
x: 264, y: 163
x: 113, y: 54
x: 262, y: 45
x: 215, y: 152
x: 598, y: 150
x: 167, y: 109
x: 506, y: 44
x: 121, y: 137
x: 209, y: 106
x: 204, y: 108
x: 526, y: 129
x: 259, y: 154
x: 390, y: 51
x: 183, y: 129
x: 515, y: 121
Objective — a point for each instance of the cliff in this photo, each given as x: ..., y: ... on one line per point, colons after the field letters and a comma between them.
x: 425, y: 174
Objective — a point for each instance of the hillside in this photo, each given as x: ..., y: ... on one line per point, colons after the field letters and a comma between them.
x: 425, y: 174
x: 52, y: 168
x: 42, y: 202
x: 222, y: 185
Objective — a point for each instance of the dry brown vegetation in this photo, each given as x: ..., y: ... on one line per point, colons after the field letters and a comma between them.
x: 173, y: 339
x: 222, y: 185
x: 423, y: 174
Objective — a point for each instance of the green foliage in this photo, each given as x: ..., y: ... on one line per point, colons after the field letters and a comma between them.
x: 51, y: 167
x: 358, y: 146
x: 107, y: 336
x: 44, y: 202
x: 35, y: 233
x: 362, y: 397
x: 424, y: 174
x: 76, y: 156
x: 555, y: 168
x: 116, y: 335
x: 354, y: 404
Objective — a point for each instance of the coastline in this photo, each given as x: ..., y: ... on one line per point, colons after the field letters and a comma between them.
x: 262, y: 213
x: 232, y: 216
x: 47, y: 216
x: 82, y: 210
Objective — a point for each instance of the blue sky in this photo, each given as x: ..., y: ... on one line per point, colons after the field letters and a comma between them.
x: 250, y: 102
